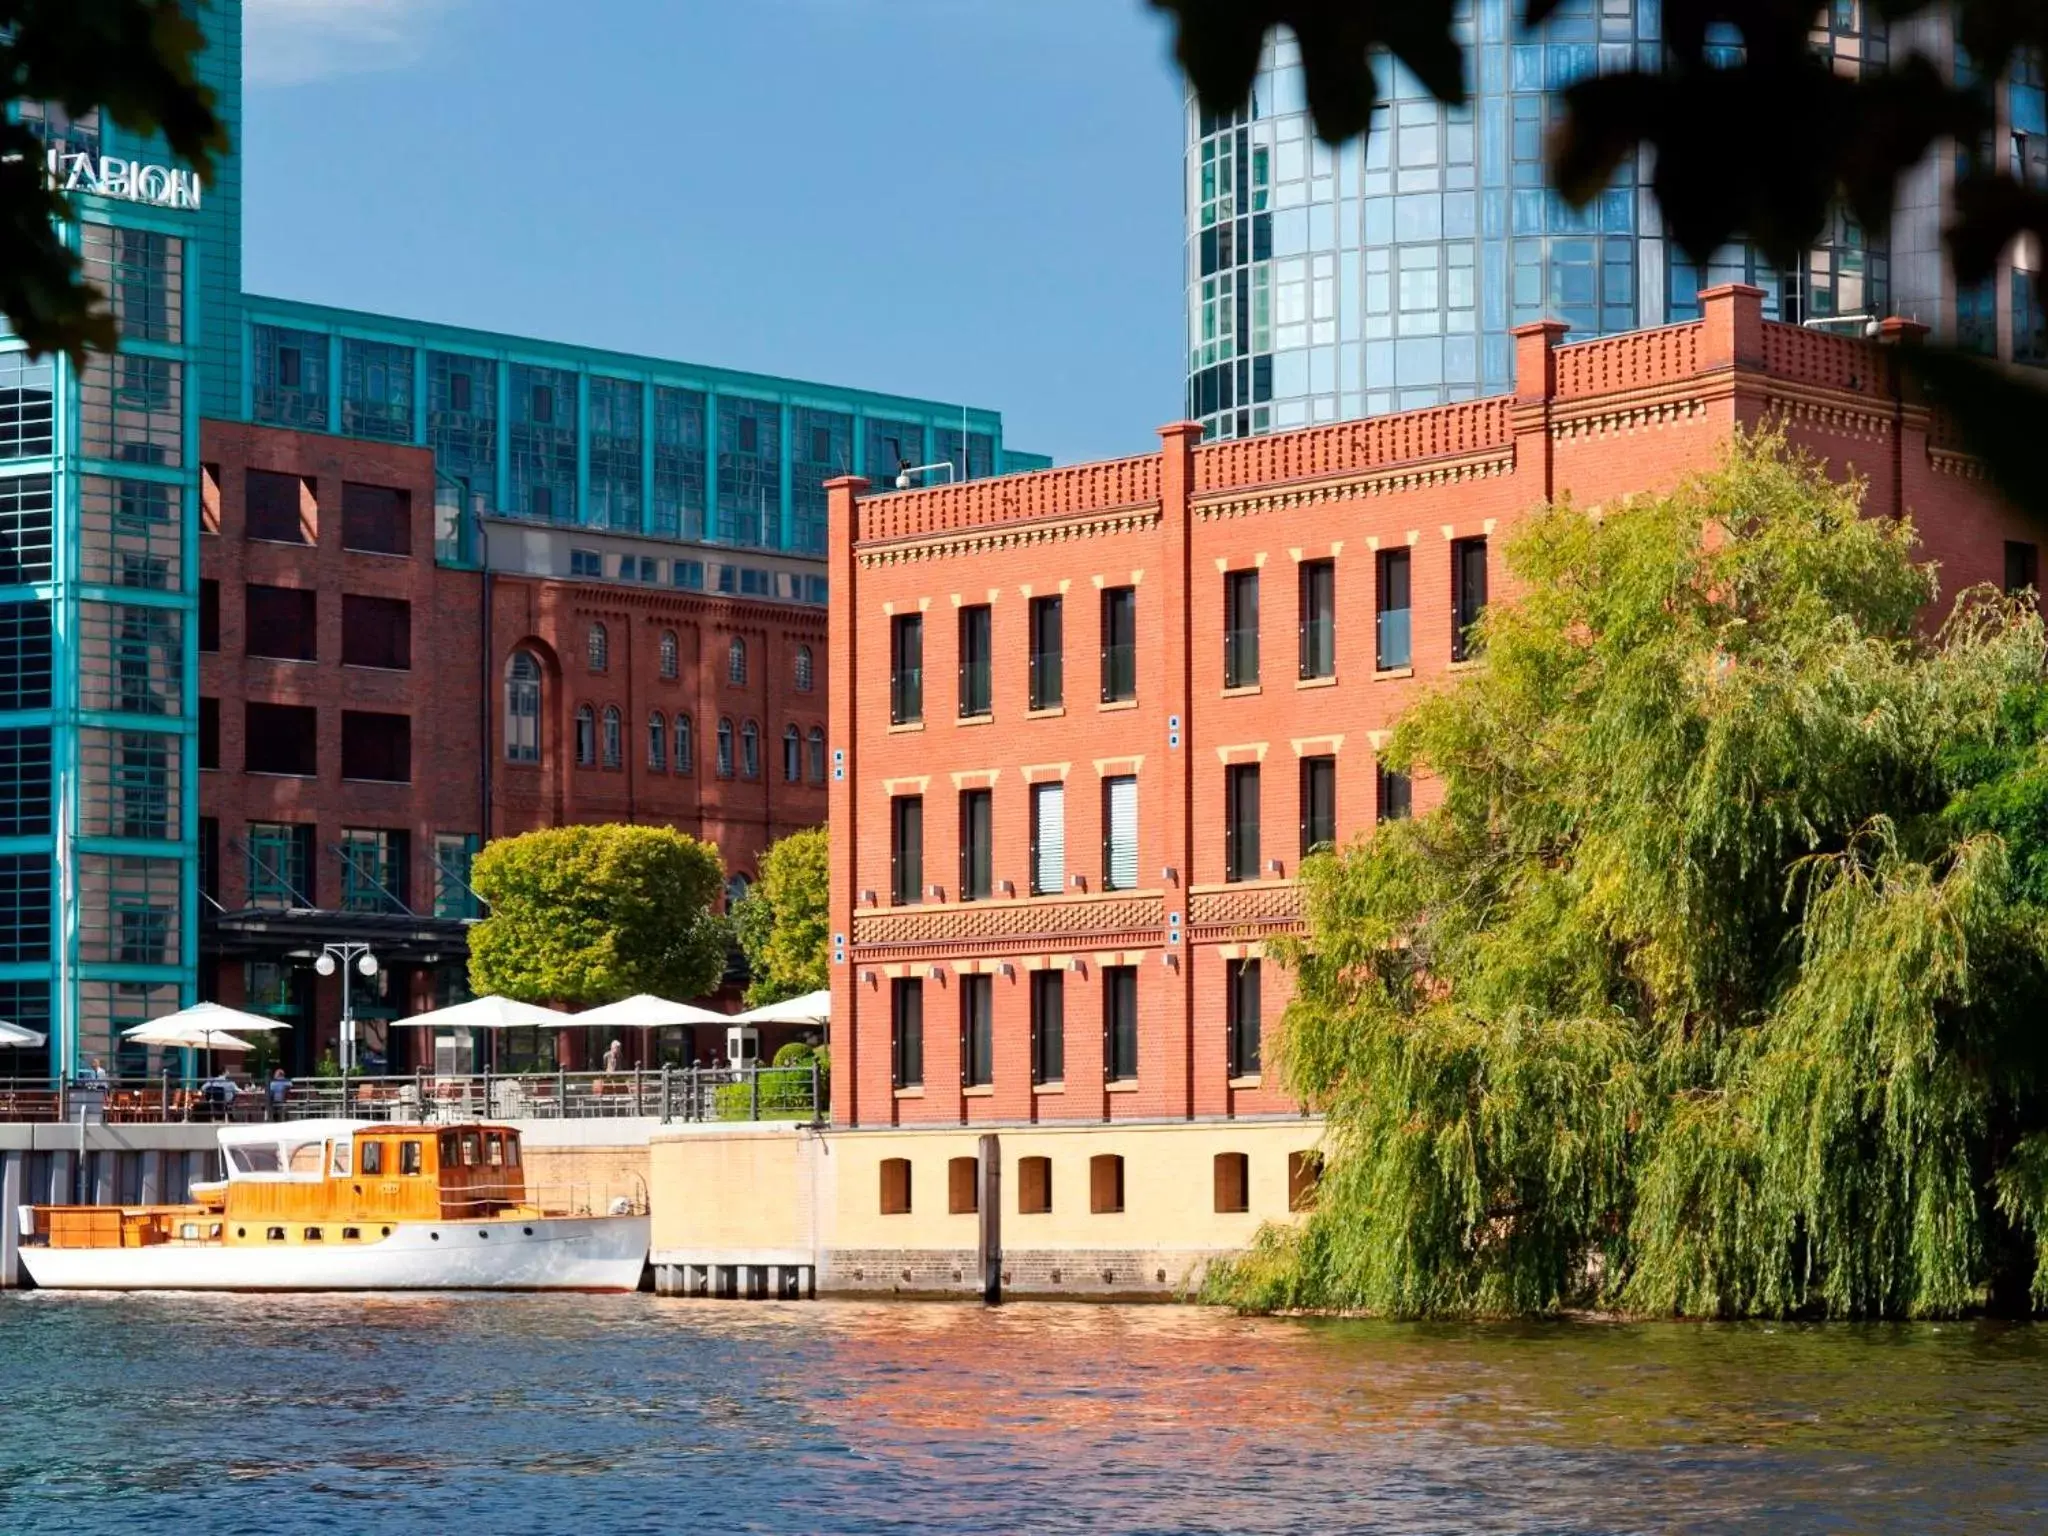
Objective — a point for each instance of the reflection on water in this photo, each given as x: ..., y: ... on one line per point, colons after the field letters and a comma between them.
x: 594, y: 1414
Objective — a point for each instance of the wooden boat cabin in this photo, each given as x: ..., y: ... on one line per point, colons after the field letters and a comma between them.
x: 319, y: 1181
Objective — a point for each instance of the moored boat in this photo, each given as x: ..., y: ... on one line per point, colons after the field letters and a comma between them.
x: 344, y: 1205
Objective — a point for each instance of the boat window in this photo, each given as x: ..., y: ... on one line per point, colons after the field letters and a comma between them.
x: 189, y: 1232
x: 308, y: 1157
x: 350, y: 1234
x: 275, y: 1234
x: 409, y: 1157
x: 447, y: 1149
x: 373, y: 1158
x: 315, y: 1235
x: 339, y: 1165
x: 260, y: 1157
x: 469, y: 1149
x: 494, y: 1149
x: 511, y: 1151
x: 213, y: 1231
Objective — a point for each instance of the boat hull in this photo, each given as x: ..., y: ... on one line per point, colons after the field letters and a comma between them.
x: 540, y: 1253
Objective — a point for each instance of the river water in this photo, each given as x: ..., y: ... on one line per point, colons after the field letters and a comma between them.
x: 589, y: 1415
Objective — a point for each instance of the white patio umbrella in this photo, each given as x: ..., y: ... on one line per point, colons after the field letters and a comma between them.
x: 491, y: 1012
x: 186, y: 1038
x: 811, y: 1008
x: 203, y: 1027
x: 15, y: 1034
x: 645, y: 1011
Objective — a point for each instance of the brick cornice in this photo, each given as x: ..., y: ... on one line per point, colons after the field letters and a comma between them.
x: 1000, y: 536
x: 1481, y: 465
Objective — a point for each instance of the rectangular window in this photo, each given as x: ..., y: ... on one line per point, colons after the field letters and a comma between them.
x: 1241, y: 821
x: 280, y: 622
x: 209, y: 615
x: 209, y: 733
x: 1048, y: 1026
x: 2022, y: 566
x: 27, y: 508
x: 906, y: 849
x: 290, y: 387
x: 281, y: 738
x: 976, y: 686
x: 142, y: 275
x: 454, y: 852
x: 1468, y: 595
x: 613, y: 456
x: 1120, y: 833
x: 977, y: 857
x: 906, y: 669
x: 1047, y: 662
x: 679, y: 464
x: 376, y: 390
x: 1318, y: 803
x: 131, y: 408
x: 1318, y: 618
x: 1120, y: 1022
x: 585, y: 562
x: 906, y: 1010
x: 822, y: 447
x: 1241, y: 1005
x: 374, y: 865
x: 541, y: 443
x: 749, y: 473
x: 376, y: 519
x: 1394, y: 648
x: 376, y: 746
x: 1048, y: 839
x: 1119, y: 644
x: 1396, y: 795
x: 27, y: 406
x: 1240, y: 629
x: 277, y: 508
x: 977, y: 1031
x: 376, y: 632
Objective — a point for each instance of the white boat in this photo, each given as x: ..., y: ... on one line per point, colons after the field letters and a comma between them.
x: 344, y: 1205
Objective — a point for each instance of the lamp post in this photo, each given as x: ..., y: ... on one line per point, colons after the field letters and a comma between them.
x: 344, y: 957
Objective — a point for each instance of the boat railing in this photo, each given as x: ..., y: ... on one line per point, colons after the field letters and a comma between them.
x: 668, y: 1093
x: 621, y: 1196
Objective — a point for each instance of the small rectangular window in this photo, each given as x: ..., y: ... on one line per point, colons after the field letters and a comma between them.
x: 1304, y: 1174
x: 1120, y: 1022
x: 1240, y: 629
x: 585, y: 562
x: 458, y: 392
x: 906, y: 1029
x: 1048, y: 839
x: 1034, y: 1186
x: 2022, y: 566
x: 1468, y: 595
x: 543, y: 404
x: 277, y: 508
x: 977, y: 1031
x: 373, y: 1159
x: 1119, y: 644
x: 209, y: 615
x: 895, y: 1186
x: 906, y: 669
x: 1318, y: 803
x: 209, y: 733
x: 1048, y: 1026
x: 1233, y: 1183
x: 409, y: 1157
x: 1105, y: 1184
x: 1048, y: 661
x: 376, y: 746
x: 290, y: 367
x: 977, y: 852
x: 906, y: 849
x: 1120, y: 833
x: 1394, y: 642
x: 1396, y: 795
x: 376, y: 632
x: 976, y: 683
x: 1242, y: 1015
x: 963, y: 1186
x: 1241, y: 821
x: 376, y: 519
x: 281, y: 738
x: 1318, y: 619
x: 280, y: 622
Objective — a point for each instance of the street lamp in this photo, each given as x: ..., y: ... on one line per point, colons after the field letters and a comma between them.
x: 335, y: 957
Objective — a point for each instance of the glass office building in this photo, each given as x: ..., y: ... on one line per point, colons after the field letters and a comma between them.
x: 1385, y: 274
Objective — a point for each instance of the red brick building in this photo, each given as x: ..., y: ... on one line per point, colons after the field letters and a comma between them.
x: 1085, y: 721
x: 370, y: 715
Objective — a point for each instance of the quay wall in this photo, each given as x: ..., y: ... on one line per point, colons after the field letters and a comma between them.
x: 839, y: 1202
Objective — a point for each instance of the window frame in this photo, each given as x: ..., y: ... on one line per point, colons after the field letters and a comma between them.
x: 906, y: 669
x: 977, y: 676
x: 1120, y: 1023
x: 1047, y: 685
x: 1469, y: 595
x: 1318, y: 783
x: 1243, y: 1016
x: 906, y: 850
x: 1241, y: 639
x: 977, y: 844
x: 906, y: 1032
x: 1393, y: 623
x: 1316, y: 616
x: 977, y: 1030
x: 1237, y: 779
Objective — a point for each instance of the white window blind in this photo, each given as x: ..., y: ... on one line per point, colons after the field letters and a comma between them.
x: 1120, y: 843
x: 1048, y: 838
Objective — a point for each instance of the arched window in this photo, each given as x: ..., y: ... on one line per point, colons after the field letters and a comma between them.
x: 586, y: 736
x: 599, y: 648
x: 684, y: 741
x: 817, y: 754
x: 522, y: 708
x: 736, y: 888
x: 792, y: 754
x: 736, y: 662
x: 724, y: 748
x: 803, y: 669
x: 657, y: 743
x: 668, y: 653
x: 614, y: 747
x: 750, y: 751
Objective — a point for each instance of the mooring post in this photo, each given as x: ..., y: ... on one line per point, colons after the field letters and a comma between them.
x: 990, y: 1210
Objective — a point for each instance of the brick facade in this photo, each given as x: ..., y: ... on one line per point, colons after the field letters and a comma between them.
x: 1612, y: 417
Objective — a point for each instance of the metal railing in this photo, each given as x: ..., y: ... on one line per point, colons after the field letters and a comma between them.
x: 668, y: 1094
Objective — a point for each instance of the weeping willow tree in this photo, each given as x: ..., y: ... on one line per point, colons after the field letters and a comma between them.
x: 1715, y: 985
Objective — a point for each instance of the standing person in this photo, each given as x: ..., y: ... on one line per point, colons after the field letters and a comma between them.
x: 280, y: 1086
x: 615, y: 1057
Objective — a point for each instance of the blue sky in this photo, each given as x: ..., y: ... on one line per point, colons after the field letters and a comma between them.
x: 963, y: 199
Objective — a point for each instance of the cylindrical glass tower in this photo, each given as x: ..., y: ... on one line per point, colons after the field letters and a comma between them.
x: 1385, y: 274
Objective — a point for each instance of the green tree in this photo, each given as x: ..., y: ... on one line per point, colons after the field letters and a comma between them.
x: 133, y: 60
x: 1803, y: 141
x: 1714, y: 984
x: 588, y: 915
x: 784, y: 922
